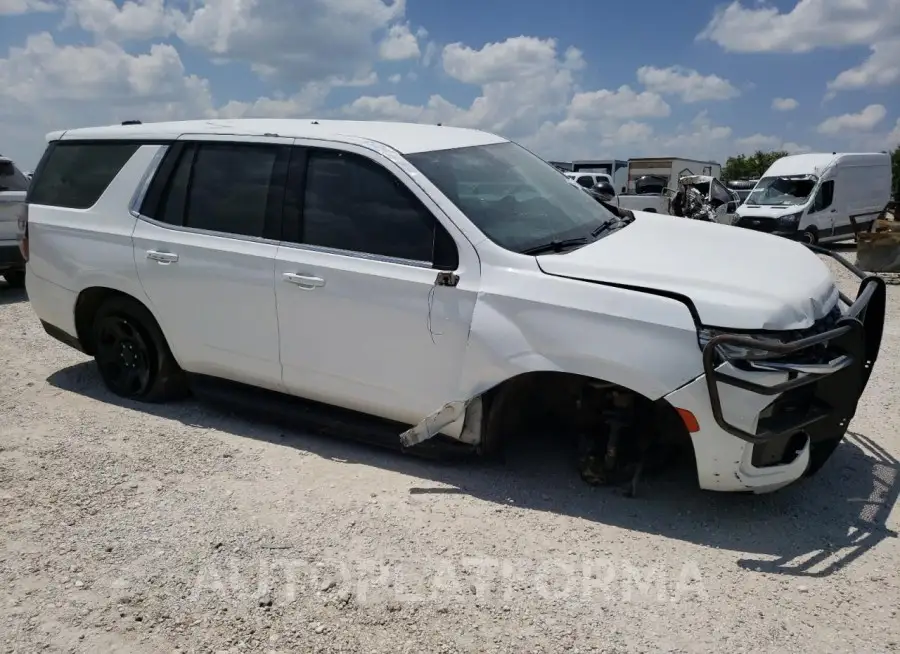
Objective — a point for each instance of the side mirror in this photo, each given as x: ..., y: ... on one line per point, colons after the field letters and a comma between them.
x: 732, y: 206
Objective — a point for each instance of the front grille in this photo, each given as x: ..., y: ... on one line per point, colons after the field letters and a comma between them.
x: 817, y: 353
x: 757, y: 224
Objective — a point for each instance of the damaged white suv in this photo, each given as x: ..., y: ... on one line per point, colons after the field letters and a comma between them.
x: 426, y: 281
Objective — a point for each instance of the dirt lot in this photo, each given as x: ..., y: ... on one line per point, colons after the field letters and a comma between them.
x: 135, y: 529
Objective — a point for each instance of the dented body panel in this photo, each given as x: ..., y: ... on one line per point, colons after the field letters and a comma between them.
x: 617, y: 314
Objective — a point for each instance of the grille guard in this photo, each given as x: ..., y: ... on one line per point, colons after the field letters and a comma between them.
x: 856, y: 337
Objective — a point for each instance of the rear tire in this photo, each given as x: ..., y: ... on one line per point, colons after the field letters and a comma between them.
x: 15, y: 278
x: 810, y: 236
x: 132, y: 355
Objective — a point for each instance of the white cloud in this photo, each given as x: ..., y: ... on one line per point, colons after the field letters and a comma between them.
x: 42, y: 73
x: 518, y: 57
x: 882, y: 68
x: 622, y: 104
x: 340, y: 38
x: 687, y: 84
x: 809, y: 25
x: 133, y: 20
x: 893, y: 137
x: 768, y: 142
x: 784, y: 104
x: 19, y: 7
x: 864, y: 121
x: 399, y: 44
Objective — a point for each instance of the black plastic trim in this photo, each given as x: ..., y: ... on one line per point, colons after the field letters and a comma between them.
x: 62, y: 336
x: 858, y: 335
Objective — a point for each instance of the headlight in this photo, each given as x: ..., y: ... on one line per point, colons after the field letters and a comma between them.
x: 731, y: 350
x: 790, y: 221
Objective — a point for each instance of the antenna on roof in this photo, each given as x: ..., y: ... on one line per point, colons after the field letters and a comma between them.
x: 440, y: 125
x: 131, y: 122
x: 315, y: 122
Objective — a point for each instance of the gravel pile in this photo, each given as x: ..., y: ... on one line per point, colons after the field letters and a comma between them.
x: 128, y: 528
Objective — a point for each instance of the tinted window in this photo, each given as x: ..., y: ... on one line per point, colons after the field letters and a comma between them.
x: 75, y: 175
x: 585, y: 181
x: 825, y: 196
x: 11, y: 178
x: 229, y: 188
x: 352, y: 203
x: 174, y: 196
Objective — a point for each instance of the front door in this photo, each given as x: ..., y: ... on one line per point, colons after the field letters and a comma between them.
x: 822, y: 211
x: 205, y: 255
x: 363, y: 323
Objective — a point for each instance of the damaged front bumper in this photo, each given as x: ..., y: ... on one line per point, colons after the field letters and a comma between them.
x: 771, y: 417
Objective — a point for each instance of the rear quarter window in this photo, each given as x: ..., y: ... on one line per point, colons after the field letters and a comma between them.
x: 11, y: 178
x: 74, y: 174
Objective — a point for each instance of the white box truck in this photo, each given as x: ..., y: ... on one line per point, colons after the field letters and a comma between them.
x: 817, y: 197
x: 653, y: 181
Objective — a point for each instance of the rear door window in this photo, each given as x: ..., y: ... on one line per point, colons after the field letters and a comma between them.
x: 11, y: 178
x: 219, y: 187
x: 75, y: 174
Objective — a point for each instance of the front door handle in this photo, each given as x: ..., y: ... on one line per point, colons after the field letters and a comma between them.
x: 308, y: 282
x: 162, y: 257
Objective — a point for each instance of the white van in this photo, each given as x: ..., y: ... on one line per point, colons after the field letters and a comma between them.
x: 817, y: 197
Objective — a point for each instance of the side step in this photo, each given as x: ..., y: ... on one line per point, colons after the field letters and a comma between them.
x: 294, y: 413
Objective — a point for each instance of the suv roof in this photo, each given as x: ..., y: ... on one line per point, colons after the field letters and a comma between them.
x: 404, y: 137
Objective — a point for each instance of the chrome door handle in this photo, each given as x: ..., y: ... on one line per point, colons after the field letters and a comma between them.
x: 308, y: 282
x: 162, y: 257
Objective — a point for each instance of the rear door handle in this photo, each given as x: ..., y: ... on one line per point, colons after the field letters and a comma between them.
x: 162, y: 257
x: 308, y: 282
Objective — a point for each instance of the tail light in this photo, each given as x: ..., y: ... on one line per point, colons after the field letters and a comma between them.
x: 23, y: 230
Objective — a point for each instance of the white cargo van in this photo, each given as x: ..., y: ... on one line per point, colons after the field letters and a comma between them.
x: 817, y: 197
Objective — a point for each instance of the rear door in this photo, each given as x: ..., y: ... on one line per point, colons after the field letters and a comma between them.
x: 205, y: 249
x: 366, y: 322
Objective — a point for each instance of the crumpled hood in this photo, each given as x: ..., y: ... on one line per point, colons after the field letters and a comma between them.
x: 736, y: 278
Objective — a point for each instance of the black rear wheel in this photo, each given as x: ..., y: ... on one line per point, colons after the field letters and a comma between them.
x: 132, y: 355
x: 15, y: 278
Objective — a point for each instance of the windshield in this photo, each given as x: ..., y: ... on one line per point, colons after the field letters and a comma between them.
x: 11, y: 179
x: 517, y: 199
x: 782, y: 190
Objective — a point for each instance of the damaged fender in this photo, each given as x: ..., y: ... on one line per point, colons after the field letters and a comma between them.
x: 640, y: 341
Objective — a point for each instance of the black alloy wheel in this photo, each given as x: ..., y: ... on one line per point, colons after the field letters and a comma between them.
x: 124, y: 356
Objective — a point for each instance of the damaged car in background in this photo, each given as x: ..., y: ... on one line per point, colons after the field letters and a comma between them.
x: 444, y: 289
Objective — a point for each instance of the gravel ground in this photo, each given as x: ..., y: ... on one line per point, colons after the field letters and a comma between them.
x: 179, y: 528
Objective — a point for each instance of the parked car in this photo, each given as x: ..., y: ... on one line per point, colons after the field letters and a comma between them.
x: 13, y: 184
x: 444, y: 282
x: 588, y: 179
x: 817, y: 197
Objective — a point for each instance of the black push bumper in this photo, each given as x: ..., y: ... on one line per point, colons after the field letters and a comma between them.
x: 827, y: 371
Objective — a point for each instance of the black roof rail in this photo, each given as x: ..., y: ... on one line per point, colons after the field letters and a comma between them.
x: 131, y: 122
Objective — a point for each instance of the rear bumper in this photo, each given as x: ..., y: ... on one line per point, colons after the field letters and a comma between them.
x: 765, y: 423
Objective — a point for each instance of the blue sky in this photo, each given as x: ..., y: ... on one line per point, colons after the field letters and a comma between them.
x: 569, y: 79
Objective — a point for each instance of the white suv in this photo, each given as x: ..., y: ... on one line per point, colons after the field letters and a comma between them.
x: 439, y: 281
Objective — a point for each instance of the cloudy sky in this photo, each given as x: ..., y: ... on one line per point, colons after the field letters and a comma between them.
x: 569, y: 78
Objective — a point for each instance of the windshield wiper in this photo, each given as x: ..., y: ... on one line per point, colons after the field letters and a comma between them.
x: 557, y: 245
x: 609, y: 224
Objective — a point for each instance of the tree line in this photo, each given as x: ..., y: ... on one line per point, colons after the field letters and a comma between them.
x: 753, y: 166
